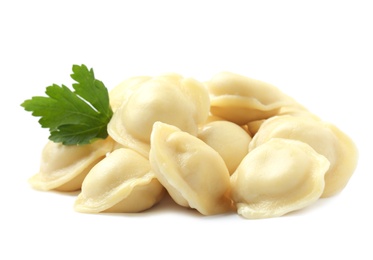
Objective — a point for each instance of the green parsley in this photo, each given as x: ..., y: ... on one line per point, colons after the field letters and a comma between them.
x: 74, y: 118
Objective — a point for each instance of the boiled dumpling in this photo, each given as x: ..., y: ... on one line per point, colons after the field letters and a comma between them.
x: 278, y: 177
x: 122, y: 182
x: 212, y: 118
x: 324, y: 137
x: 253, y: 126
x: 63, y: 167
x: 171, y: 98
x: 193, y: 173
x: 124, y: 90
x: 241, y: 99
x: 292, y: 110
x: 230, y: 140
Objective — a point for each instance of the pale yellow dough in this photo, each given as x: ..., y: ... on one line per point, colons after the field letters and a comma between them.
x: 193, y: 173
x: 64, y: 167
x: 278, y: 177
x: 124, y: 90
x: 292, y: 110
x: 241, y: 100
x: 232, y: 143
x: 122, y: 182
x: 230, y: 140
x: 324, y: 137
x: 170, y: 98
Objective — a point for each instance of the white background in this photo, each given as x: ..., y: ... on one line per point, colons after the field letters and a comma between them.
x: 319, y: 52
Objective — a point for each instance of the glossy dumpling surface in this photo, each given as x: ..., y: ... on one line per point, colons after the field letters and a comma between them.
x: 230, y: 140
x: 278, y: 177
x: 64, y: 167
x: 324, y: 137
x: 171, y: 98
x: 120, y: 93
x: 241, y: 99
x: 122, y: 182
x: 193, y: 173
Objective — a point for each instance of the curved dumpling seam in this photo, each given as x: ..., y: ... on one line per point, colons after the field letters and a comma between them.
x: 70, y: 177
x: 172, y: 153
x: 295, y: 170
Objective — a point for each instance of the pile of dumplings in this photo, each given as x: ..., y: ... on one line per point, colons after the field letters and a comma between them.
x: 231, y: 144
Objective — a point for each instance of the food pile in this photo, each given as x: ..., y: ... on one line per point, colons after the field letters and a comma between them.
x: 231, y: 144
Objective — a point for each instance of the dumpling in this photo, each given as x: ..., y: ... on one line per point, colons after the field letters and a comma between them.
x: 212, y: 118
x: 172, y: 99
x: 64, y: 167
x: 122, y: 182
x: 230, y: 140
x: 193, y: 173
x: 241, y: 99
x: 253, y: 126
x: 324, y: 137
x: 124, y: 90
x: 278, y: 177
x: 292, y: 110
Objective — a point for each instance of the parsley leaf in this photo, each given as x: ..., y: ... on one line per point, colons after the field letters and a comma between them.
x: 74, y: 118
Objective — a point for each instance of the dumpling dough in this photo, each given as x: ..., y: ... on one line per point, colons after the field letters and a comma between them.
x: 172, y: 99
x: 64, y: 167
x: 241, y: 100
x: 193, y: 173
x: 230, y: 140
x: 324, y: 137
x: 124, y: 90
x: 292, y: 110
x: 122, y: 182
x: 278, y: 177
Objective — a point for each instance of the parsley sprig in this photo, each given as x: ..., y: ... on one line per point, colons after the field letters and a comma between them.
x: 74, y: 117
